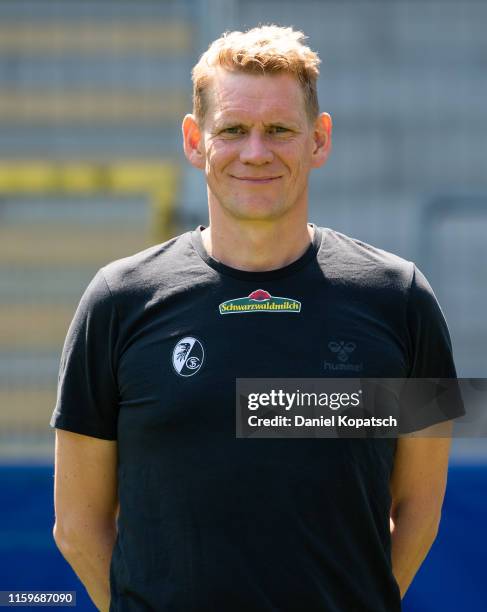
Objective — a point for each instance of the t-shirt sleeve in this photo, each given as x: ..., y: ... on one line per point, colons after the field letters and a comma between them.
x: 436, y: 397
x: 87, y: 394
x: 431, y: 348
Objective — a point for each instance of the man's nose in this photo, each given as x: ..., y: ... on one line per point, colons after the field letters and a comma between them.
x: 255, y: 150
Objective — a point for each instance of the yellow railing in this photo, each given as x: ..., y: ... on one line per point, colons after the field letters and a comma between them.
x: 88, y: 107
x: 156, y: 179
x: 91, y: 37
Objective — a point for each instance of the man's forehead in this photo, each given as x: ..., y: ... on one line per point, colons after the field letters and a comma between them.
x: 233, y: 95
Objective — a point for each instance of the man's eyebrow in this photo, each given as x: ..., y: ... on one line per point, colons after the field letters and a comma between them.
x: 286, y: 124
x: 228, y: 123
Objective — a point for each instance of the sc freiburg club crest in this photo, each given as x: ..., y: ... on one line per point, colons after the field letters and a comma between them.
x: 188, y: 356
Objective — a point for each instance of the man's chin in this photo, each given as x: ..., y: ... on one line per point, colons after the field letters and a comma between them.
x: 256, y: 211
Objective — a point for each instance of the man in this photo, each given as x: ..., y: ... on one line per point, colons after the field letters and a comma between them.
x: 151, y: 481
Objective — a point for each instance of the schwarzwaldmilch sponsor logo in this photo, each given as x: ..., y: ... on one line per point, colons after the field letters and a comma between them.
x: 259, y: 301
x: 342, y: 351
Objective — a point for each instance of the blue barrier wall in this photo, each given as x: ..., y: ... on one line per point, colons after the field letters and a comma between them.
x: 29, y: 559
x: 451, y: 579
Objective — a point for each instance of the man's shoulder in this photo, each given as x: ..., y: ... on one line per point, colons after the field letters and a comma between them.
x: 154, y: 264
x: 353, y: 260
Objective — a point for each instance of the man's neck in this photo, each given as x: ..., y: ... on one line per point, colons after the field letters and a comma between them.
x: 257, y: 247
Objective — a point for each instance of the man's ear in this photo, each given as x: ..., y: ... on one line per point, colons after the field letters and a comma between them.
x: 322, y: 139
x: 192, y: 142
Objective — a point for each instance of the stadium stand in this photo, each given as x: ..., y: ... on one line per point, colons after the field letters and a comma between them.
x: 90, y: 105
x: 62, y: 246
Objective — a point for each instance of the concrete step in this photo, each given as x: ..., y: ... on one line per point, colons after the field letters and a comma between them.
x: 402, y: 156
x: 363, y: 32
x: 54, y: 284
x: 86, y: 106
x: 26, y: 35
x: 145, y: 72
x: 20, y: 370
x: 130, y: 140
x: 34, y: 326
x: 417, y: 96
x: 26, y: 409
x: 47, y: 10
x: 129, y: 211
x: 68, y: 245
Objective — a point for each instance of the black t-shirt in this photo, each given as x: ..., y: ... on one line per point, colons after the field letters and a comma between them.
x: 212, y: 523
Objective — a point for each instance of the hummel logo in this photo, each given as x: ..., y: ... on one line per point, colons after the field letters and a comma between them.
x: 342, y: 348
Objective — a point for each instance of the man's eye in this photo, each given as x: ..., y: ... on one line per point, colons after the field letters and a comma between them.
x: 233, y: 130
x: 278, y: 129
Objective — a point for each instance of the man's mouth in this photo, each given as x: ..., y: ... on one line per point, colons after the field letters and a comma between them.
x: 257, y: 179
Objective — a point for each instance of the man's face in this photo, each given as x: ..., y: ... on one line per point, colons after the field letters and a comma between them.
x: 257, y: 145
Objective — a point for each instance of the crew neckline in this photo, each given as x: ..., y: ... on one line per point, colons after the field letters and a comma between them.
x: 222, y: 268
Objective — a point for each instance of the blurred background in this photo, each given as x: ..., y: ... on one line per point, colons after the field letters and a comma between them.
x: 92, y: 95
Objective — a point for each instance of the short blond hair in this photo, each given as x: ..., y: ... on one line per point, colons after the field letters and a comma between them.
x: 267, y: 50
